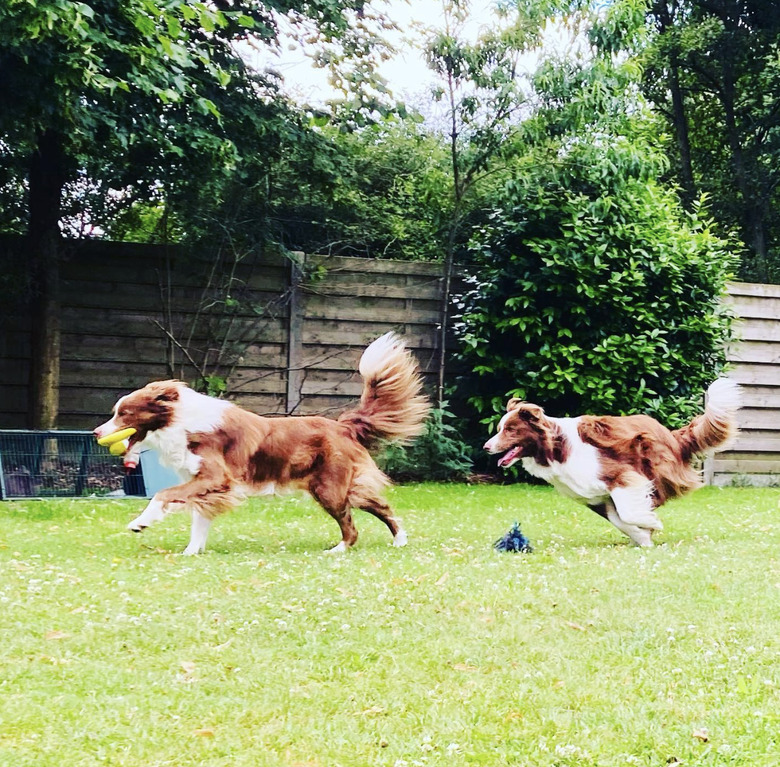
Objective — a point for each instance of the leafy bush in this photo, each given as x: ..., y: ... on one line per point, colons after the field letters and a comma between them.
x: 593, y: 291
x: 437, y: 454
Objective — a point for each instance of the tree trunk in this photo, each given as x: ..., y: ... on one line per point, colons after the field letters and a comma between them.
x: 757, y: 224
x: 752, y: 215
x: 449, y: 256
x: 665, y: 20
x: 681, y: 133
x: 47, y: 178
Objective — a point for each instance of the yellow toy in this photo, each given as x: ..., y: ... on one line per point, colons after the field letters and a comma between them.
x: 115, y: 442
x: 118, y: 448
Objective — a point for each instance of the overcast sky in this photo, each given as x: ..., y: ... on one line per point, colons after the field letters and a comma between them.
x: 406, y: 73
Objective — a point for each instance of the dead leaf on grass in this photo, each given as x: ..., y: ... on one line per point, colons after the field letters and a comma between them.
x: 56, y: 634
x: 701, y: 734
x: 204, y: 732
x: 188, y: 667
x: 373, y: 711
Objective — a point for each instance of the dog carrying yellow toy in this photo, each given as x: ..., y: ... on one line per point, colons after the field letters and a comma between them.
x: 116, y: 438
x: 118, y: 448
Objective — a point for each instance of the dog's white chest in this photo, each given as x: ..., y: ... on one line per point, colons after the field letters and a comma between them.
x: 171, y: 445
x: 578, y: 477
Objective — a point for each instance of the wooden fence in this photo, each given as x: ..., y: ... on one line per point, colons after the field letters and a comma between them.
x: 290, y: 343
x: 294, y: 343
x: 755, y: 364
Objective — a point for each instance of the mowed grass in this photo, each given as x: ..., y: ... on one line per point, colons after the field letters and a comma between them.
x: 115, y: 649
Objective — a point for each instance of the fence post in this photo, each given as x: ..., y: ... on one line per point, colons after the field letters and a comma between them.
x: 708, y: 470
x: 295, y: 335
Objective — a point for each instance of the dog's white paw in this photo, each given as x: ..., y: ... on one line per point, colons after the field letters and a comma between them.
x: 193, y: 549
x: 138, y: 525
x: 400, y: 539
x: 338, y: 548
x: 151, y: 514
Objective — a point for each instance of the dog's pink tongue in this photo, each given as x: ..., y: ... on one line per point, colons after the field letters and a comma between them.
x: 509, y: 457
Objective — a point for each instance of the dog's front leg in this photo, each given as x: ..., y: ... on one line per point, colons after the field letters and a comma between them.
x: 207, y: 494
x: 155, y: 510
x: 198, y: 534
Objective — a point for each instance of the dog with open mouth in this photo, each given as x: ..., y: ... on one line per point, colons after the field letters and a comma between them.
x: 622, y: 467
x: 224, y: 453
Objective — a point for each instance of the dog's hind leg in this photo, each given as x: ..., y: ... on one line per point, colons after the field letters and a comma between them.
x: 639, y: 535
x: 632, y: 511
x: 365, y: 493
x: 332, y: 498
x: 607, y: 510
x: 635, y: 505
x: 349, y: 533
x: 381, y: 510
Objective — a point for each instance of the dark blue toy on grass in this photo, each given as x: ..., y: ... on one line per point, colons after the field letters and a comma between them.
x: 513, y: 541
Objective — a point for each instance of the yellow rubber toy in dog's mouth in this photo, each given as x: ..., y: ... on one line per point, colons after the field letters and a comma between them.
x: 116, y: 442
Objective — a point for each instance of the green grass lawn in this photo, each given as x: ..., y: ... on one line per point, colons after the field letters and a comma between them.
x: 115, y: 649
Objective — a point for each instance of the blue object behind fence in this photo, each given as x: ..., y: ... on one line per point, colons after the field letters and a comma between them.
x: 156, y: 477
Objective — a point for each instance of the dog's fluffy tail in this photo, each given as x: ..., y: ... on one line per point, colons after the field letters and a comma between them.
x: 392, y: 405
x: 717, y: 426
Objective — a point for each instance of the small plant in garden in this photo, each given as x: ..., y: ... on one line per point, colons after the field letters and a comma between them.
x: 437, y: 454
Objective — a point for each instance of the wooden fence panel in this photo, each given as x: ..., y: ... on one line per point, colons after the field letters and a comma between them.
x: 119, y: 299
x: 754, y: 359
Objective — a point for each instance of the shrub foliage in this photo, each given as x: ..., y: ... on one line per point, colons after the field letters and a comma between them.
x: 592, y: 290
x: 437, y: 454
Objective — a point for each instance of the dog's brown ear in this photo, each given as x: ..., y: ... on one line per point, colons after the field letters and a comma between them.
x: 531, y: 412
x: 513, y: 404
x: 166, y: 391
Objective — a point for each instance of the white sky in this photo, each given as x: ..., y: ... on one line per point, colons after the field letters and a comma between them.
x: 406, y: 72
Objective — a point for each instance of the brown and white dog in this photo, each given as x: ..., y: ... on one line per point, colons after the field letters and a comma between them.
x: 622, y: 467
x: 224, y: 453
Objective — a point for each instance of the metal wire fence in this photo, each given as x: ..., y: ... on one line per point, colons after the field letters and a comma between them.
x: 61, y: 464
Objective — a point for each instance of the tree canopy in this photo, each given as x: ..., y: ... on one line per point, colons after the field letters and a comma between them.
x: 711, y: 71
x: 111, y: 101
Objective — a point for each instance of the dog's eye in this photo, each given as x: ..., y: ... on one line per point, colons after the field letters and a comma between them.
x: 124, y: 412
